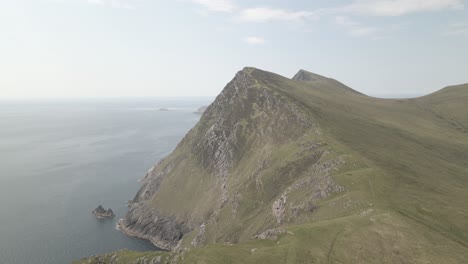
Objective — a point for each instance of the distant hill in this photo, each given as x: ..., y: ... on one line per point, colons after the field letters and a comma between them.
x: 308, y: 170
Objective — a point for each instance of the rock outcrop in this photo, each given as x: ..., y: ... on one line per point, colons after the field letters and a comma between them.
x: 271, y: 234
x: 145, y: 222
x: 102, y: 213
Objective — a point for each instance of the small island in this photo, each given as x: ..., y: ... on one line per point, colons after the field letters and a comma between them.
x: 163, y: 109
x: 102, y: 213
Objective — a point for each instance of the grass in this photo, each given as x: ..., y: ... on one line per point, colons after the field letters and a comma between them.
x: 125, y: 256
x: 405, y: 177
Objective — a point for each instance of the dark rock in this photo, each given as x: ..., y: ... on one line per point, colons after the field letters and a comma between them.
x: 146, y: 223
x: 101, y: 213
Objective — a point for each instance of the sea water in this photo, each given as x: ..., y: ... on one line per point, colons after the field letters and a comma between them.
x: 61, y: 159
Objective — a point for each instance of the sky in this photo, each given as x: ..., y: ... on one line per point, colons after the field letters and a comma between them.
x: 159, y: 48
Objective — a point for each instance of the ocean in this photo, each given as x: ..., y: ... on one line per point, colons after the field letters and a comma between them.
x: 61, y: 159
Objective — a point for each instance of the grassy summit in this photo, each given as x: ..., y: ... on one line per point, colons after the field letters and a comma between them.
x: 307, y: 170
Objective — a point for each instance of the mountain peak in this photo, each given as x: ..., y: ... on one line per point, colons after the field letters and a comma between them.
x: 316, y: 79
x: 249, y: 69
x: 306, y: 76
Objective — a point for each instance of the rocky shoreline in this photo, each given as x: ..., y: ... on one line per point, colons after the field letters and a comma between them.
x: 163, y: 232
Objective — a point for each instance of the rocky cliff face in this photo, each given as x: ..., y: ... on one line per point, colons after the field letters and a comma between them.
x: 256, y: 160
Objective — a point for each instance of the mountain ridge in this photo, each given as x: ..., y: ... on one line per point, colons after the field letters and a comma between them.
x: 279, y: 169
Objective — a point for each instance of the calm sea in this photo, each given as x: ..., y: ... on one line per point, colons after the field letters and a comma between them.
x: 60, y: 160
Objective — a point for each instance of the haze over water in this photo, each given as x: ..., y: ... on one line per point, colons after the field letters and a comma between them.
x: 60, y: 160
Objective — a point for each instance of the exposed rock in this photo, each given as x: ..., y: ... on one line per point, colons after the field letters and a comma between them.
x: 366, y: 212
x: 279, y: 208
x: 199, y: 237
x: 146, y: 223
x: 156, y: 260
x: 101, y: 213
x: 271, y: 234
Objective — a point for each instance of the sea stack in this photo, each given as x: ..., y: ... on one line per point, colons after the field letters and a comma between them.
x: 102, y: 213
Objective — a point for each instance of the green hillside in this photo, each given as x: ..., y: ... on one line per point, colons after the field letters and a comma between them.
x: 307, y: 170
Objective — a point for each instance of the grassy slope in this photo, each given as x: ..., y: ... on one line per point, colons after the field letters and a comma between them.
x: 406, y: 177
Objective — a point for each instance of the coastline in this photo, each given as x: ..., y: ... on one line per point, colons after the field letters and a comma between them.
x: 127, y: 231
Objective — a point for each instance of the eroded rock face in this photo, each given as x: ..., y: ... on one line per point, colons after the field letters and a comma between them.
x: 146, y: 223
x: 317, y: 183
x: 279, y: 208
x: 102, y: 213
x: 271, y: 234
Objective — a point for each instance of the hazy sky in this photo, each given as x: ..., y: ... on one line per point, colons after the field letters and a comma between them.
x: 115, y: 48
